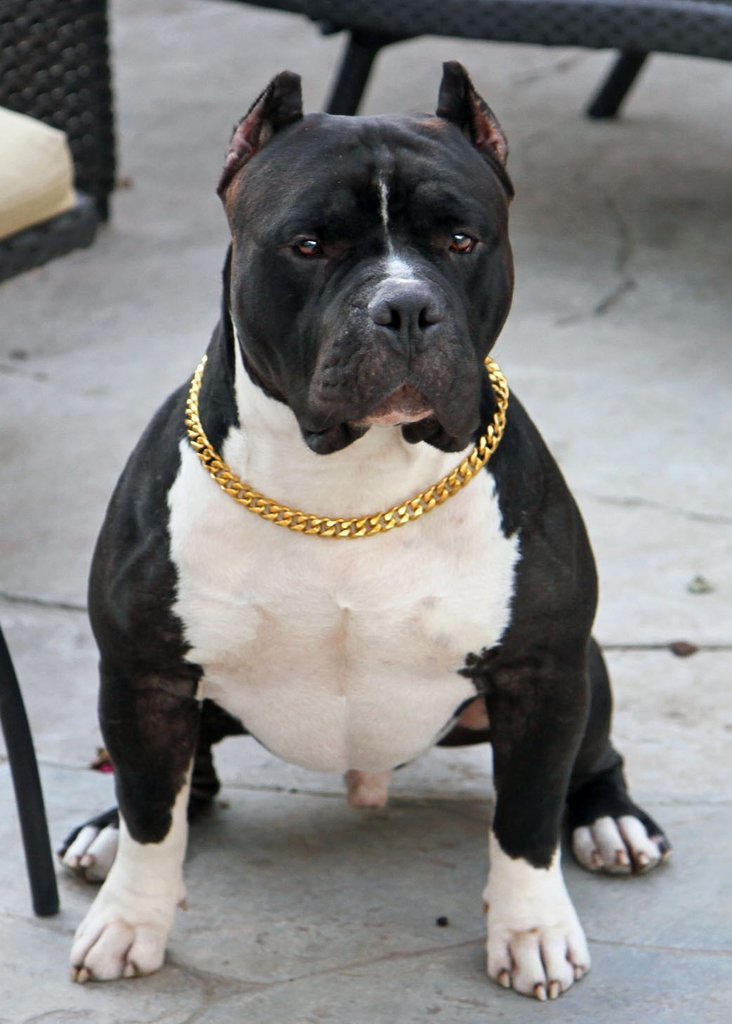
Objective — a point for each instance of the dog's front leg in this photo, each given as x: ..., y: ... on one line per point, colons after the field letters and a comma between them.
x: 150, y: 726
x: 535, y: 941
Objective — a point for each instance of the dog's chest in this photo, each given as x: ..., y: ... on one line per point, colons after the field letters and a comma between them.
x: 338, y: 654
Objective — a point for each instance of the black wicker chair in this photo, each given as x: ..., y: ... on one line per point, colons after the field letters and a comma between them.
x: 635, y: 28
x: 54, y: 66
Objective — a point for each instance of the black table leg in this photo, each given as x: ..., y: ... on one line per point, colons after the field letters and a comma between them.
x: 28, y: 793
x: 612, y: 92
x: 353, y: 73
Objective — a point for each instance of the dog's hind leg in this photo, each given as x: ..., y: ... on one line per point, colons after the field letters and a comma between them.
x: 90, y: 848
x: 150, y: 724
x: 216, y: 725
x: 608, y: 831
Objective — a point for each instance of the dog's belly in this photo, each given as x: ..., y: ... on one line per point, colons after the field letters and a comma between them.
x: 339, y: 654
x: 342, y: 693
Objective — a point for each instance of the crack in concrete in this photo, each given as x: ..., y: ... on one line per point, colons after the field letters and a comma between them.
x: 626, y: 245
x: 625, y: 249
x: 667, y: 645
x: 215, y: 988
x: 212, y: 980
x: 41, y: 602
x: 198, y: 1014
x: 253, y: 988
x: 13, y: 370
x: 67, y: 1016
x: 709, y: 802
x: 288, y: 790
x: 53, y: 1016
x: 399, y: 802
x: 623, y: 256
x: 653, y: 947
x: 395, y: 801
x: 613, y: 298
x: 634, y: 501
x: 560, y: 66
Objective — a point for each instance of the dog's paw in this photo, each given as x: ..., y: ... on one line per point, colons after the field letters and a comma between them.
x: 535, y: 941
x: 542, y: 962
x: 620, y: 846
x: 126, y: 929
x: 92, y: 853
x: 107, y: 947
x: 367, y: 789
x: 124, y: 933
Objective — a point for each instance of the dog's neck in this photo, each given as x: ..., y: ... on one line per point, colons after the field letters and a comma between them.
x: 375, y: 472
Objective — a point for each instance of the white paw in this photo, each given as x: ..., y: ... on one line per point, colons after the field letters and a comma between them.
x: 125, y: 932
x: 542, y: 962
x: 535, y: 941
x: 126, y: 929
x: 618, y: 845
x: 107, y: 947
x: 367, y: 789
x: 92, y: 853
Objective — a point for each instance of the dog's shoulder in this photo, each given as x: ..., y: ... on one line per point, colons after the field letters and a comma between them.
x: 133, y: 580
x: 555, y: 577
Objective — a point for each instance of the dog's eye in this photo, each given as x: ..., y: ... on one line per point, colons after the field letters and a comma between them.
x: 307, y: 247
x: 462, y: 243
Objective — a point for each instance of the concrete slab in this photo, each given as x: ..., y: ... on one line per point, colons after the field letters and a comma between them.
x: 300, y: 907
x: 302, y: 911
x: 438, y: 986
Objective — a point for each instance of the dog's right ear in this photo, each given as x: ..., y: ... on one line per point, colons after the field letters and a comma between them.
x: 278, y: 106
x: 460, y: 103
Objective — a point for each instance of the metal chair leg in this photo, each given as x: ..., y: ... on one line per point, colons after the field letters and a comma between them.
x: 612, y: 92
x: 353, y: 73
x: 28, y: 793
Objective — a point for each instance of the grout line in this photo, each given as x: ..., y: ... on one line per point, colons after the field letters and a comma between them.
x: 41, y: 602
x: 358, y: 964
x: 700, y: 648
x: 651, y: 946
x: 664, y: 645
x: 397, y: 799
x: 637, y: 502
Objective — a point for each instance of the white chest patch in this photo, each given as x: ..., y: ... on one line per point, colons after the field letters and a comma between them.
x: 336, y: 655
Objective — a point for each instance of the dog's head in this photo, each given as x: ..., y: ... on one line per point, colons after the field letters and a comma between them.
x: 370, y: 267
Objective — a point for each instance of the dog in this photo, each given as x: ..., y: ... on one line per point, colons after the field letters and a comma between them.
x: 411, y: 568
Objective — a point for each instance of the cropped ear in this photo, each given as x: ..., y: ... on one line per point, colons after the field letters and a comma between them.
x: 277, y: 107
x: 459, y: 103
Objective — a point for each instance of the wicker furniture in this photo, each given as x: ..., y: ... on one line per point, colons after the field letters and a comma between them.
x: 54, y: 66
x: 635, y: 28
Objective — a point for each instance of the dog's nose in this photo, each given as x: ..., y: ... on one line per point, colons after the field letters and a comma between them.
x: 407, y: 310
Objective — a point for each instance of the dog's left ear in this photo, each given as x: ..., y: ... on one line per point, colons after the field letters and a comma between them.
x: 463, y: 106
x: 277, y: 107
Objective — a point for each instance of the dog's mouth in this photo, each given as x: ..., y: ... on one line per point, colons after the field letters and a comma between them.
x: 404, y: 405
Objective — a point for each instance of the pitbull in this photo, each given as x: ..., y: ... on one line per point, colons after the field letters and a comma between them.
x: 416, y: 571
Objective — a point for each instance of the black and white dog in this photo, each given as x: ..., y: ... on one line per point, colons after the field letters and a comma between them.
x: 368, y: 277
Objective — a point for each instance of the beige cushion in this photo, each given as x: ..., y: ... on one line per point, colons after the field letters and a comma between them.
x: 36, y: 172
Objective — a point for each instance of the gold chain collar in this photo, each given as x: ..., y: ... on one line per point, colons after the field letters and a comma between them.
x: 363, y: 526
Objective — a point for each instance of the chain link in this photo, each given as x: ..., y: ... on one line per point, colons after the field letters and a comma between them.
x: 364, y: 526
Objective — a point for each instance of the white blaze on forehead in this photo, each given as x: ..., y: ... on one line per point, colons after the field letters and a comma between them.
x: 384, y: 210
x: 396, y: 267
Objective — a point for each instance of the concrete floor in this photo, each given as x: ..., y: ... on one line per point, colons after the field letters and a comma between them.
x: 301, y: 910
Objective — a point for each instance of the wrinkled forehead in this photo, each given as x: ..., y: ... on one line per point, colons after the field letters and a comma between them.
x: 346, y: 169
